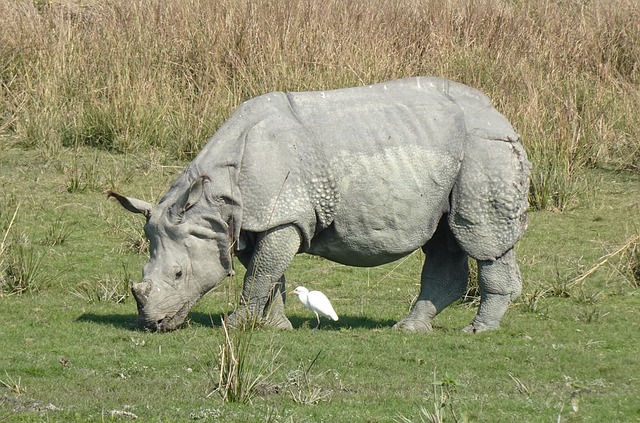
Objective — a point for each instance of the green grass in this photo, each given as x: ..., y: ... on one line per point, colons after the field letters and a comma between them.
x: 79, y: 358
x: 121, y: 93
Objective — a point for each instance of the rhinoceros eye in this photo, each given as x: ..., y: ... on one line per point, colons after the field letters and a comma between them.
x: 178, y: 272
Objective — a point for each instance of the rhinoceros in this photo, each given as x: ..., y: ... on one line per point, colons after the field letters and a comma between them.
x: 361, y: 176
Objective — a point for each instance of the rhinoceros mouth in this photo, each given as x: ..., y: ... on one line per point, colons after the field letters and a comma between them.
x: 168, y: 323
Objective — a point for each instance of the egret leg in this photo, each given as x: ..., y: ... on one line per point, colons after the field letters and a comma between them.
x: 318, y: 319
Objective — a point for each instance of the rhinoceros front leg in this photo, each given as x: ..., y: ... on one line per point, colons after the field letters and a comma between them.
x: 263, y: 293
x: 500, y: 283
x: 444, y: 280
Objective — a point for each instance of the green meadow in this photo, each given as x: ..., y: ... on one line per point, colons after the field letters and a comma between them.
x: 122, y: 94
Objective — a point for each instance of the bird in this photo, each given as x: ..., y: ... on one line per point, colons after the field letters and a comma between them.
x: 317, y: 302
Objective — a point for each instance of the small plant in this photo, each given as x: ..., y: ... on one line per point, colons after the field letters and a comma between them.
x: 629, y: 248
x: 532, y: 299
x: 75, y: 178
x: 590, y: 314
x: 472, y: 294
x: 57, y: 232
x: 443, y: 407
x: 105, y: 289
x: 587, y: 297
x: 12, y: 384
x: 21, y: 269
x: 630, y: 265
x: 82, y: 176
x: 560, y: 289
x: 554, y: 185
x: 303, y: 387
x: 240, y: 376
x: 134, y: 238
x: 4, y: 248
x: 520, y: 386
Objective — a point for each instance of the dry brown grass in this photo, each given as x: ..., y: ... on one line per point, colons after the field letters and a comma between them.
x: 125, y: 75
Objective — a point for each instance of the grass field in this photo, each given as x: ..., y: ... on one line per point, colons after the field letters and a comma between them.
x: 122, y: 94
x: 71, y: 350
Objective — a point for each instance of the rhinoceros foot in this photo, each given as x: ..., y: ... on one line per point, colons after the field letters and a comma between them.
x: 281, y: 323
x: 477, y: 327
x: 413, y: 325
x: 244, y: 318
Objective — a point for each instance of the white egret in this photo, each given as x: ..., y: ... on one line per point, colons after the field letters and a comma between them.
x: 317, y: 302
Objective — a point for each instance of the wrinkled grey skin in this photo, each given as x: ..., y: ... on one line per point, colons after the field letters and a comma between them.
x: 362, y: 176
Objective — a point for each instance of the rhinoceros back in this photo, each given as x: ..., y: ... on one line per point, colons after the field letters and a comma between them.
x: 364, y: 172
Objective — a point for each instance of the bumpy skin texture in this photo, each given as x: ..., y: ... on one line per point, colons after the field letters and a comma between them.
x: 361, y: 176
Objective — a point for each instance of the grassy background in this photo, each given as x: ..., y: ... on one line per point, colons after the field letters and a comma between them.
x: 122, y: 94
x: 126, y: 76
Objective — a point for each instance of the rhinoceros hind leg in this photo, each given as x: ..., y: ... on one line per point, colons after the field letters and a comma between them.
x: 500, y: 283
x: 443, y: 280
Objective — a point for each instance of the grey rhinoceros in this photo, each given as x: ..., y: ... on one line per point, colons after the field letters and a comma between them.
x: 361, y: 176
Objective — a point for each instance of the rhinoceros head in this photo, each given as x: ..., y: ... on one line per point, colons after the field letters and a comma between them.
x: 190, y: 253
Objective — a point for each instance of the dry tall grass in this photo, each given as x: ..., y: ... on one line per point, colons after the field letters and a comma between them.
x: 125, y: 75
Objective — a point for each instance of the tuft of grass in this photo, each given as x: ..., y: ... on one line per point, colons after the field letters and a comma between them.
x: 58, y: 232
x: 241, y: 375
x: 4, y: 250
x: 521, y: 387
x: 554, y: 186
x: 472, y: 294
x: 591, y: 314
x: 21, y: 269
x: 532, y: 300
x: 629, y: 265
x: 628, y: 246
x: 303, y: 385
x: 82, y: 176
x: 558, y: 288
x: 633, y: 266
x: 444, y: 410
x: 13, y: 385
x: 104, y: 289
x: 589, y: 297
x: 133, y: 238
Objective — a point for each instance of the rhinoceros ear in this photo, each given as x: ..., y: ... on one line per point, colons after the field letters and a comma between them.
x: 193, y: 194
x: 132, y: 204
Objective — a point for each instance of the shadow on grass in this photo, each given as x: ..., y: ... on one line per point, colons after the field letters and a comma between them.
x: 129, y: 321
x: 345, y: 322
x: 302, y: 322
x: 123, y: 321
